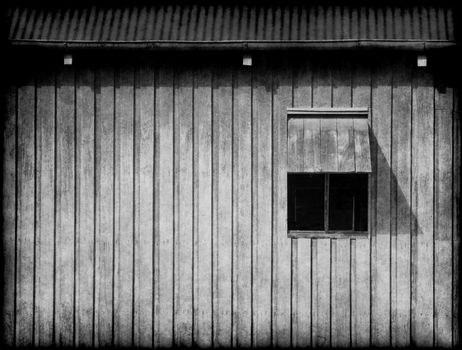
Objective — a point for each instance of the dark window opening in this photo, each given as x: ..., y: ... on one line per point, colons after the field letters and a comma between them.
x: 327, y: 202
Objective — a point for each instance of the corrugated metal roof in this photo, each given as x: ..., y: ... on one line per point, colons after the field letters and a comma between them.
x: 215, y: 23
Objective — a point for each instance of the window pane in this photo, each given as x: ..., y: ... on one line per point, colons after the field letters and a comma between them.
x: 348, y: 202
x: 361, y: 203
x: 306, y: 202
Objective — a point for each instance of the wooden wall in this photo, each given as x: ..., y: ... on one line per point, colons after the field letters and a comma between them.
x: 145, y: 204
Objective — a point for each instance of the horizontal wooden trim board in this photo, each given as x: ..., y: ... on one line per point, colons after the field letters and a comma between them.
x: 329, y: 234
x: 332, y: 45
x: 334, y: 112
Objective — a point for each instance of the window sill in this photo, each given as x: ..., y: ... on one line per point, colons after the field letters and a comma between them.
x: 329, y: 234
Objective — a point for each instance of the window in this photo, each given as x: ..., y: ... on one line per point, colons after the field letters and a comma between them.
x: 328, y: 167
x: 327, y: 203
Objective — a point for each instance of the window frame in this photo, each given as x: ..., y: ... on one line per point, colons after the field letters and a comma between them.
x: 326, y: 233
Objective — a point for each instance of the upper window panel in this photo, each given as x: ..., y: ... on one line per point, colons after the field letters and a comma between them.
x: 328, y: 140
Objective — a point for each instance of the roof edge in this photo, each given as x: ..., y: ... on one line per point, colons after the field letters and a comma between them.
x: 413, y: 45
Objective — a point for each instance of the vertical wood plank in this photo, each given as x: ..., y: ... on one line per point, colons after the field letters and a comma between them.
x: 360, y: 278
x: 345, y: 145
x: 320, y: 289
x: 362, y: 145
x: 329, y: 145
x: 321, y: 248
x: 104, y: 234
x: 45, y: 194
x: 183, y: 198
x: 9, y: 215
x: 242, y: 201
x: 222, y: 204
x: 443, y: 217
x: 340, y: 292
x: 144, y: 205
x: 124, y: 209
x: 380, y: 236
x: 401, y: 204
x: 301, y: 248
x: 341, y: 97
x: 9, y: 205
x: 156, y: 213
x: 261, y: 220
x: 163, y: 317
x: 295, y: 143
x: 297, y: 154
x: 65, y: 208
x: 25, y: 211
x: 322, y: 97
x: 456, y: 219
x: 281, y: 312
x: 203, y: 207
x: 85, y: 116
x: 301, y: 293
x: 311, y: 142
x: 422, y: 206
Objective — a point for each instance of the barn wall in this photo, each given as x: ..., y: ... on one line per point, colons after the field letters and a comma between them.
x: 145, y: 204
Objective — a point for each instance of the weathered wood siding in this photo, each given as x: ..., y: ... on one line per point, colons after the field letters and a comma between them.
x: 144, y: 203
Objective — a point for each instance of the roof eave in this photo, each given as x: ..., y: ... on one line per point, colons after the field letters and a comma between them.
x: 410, y: 45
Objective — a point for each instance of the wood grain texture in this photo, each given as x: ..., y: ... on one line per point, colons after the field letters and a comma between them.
x: 144, y: 206
x: 65, y: 208
x: 183, y: 202
x: 363, y: 162
x: 163, y: 316
x: 222, y: 204
x: 9, y: 177
x: 443, y: 217
x: 328, y: 146
x: 281, y: 312
x: 104, y: 218
x: 242, y: 210
x: 401, y: 205
x: 295, y: 143
x: 380, y: 237
x: 345, y: 145
x: 422, y: 207
x: 85, y: 211
x: 45, y: 195
x: 124, y: 206
x: 262, y: 215
x: 342, y: 143
x: 456, y: 132
x: 26, y: 212
x: 203, y: 238
x: 340, y: 292
x: 311, y: 140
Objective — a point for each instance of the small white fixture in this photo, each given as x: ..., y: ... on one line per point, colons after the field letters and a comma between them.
x: 421, y: 61
x: 68, y: 60
x: 247, y: 60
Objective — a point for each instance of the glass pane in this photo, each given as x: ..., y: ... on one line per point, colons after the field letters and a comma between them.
x: 306, y: 202
x: 348, y: 202
x: 361, y: 207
